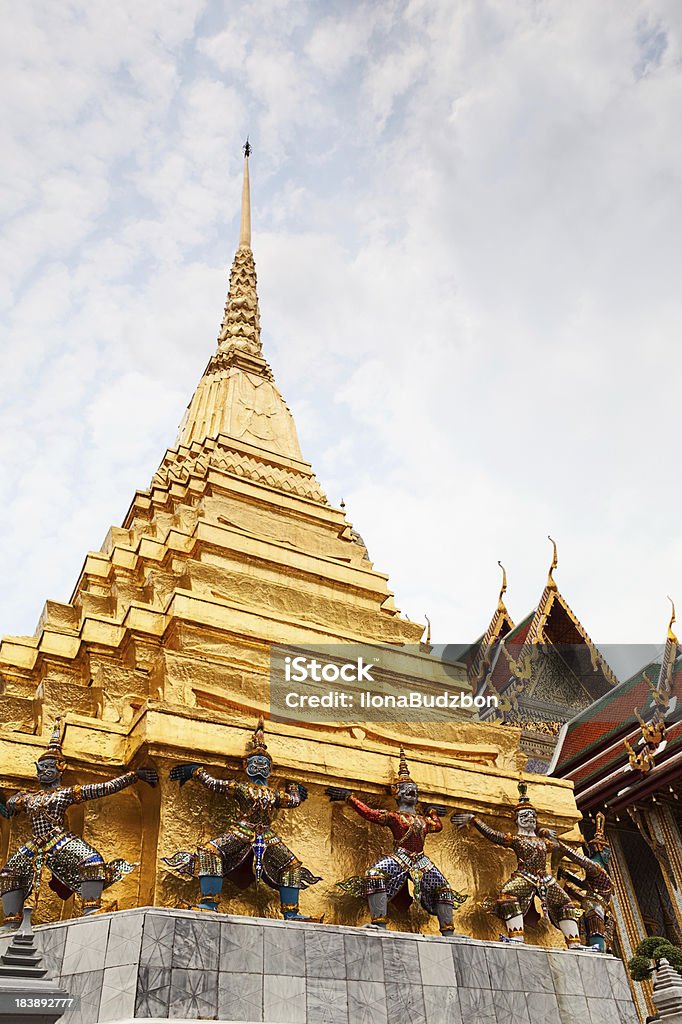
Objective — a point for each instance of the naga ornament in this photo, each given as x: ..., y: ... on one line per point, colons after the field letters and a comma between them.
x: 387, y: 881
x: 250, y: 851
x: 75, y: 866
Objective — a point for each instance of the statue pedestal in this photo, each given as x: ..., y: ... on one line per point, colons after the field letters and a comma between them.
x: 154, y: 964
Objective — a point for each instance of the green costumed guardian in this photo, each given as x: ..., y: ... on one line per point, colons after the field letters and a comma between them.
x: 594, y: 891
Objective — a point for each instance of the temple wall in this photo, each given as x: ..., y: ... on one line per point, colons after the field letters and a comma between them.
x: 160, y: 964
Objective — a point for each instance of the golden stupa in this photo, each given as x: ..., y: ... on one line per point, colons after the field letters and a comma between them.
x: 162, y: 656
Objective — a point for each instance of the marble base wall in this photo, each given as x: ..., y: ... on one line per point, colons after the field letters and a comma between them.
x: 153, y: 964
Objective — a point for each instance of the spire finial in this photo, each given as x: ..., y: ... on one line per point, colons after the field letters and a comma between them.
x: 257, y: 745
x: 403, y: 772
x: 671, y: 635
x: 555, y: 562
x: 245, y: 227
x: 54, y: 747
x: 503, y: 588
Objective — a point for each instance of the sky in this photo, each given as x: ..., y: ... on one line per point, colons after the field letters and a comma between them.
x: 466, y: 225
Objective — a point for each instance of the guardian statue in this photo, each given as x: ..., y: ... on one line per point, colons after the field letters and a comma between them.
x: 75, y: 866
x: 250, y: 851
x: 386, y: 881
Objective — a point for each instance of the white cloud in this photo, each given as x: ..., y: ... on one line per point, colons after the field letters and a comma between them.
x: 466, y: 225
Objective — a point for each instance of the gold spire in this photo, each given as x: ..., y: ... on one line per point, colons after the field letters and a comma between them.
x: 237, y: 397
x: 245, y: 226
x: 500, y: 601
x: 240, y: 328
x: 550, y: 578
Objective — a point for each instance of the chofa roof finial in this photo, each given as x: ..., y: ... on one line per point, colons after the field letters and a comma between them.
x: 671, y: 635
x: 503, y: 588
x: 555, y: 561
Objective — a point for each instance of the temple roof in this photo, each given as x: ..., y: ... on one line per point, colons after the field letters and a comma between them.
x: 591, y: 749
x: 502, y: 656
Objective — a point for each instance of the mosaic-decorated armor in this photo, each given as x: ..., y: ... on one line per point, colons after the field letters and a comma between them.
x: 531, y: 879
x: 386, y: 881
x: 250, y: 850
x: 75, y: 866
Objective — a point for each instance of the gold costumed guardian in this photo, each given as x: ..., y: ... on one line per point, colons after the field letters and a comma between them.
x: 531, y: 878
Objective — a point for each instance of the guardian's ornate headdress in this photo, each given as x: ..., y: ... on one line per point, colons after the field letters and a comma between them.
x: 403, y: 773
x: 54, y: 747
x: 598, y: 842
x: 257, y: 745
x: 524, y: 803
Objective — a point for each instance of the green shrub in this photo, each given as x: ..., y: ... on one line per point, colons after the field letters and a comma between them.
x: 649, y: 952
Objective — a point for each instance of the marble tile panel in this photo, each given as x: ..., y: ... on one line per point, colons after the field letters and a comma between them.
x: 441, y: 1005
x: 504, y: 970
x: 158, y: 932
x: 240, y: 996
x: 436, y: 963
x: 471, y: 966
x: 594, y: 974
x: 196, y: 945
x: 327, y: 1001
x: 284, y: 999
x: 119, y: 987
x: 619, y: 981
x: 476, y: 1004
x: 542, y: 1007
x: 565, y: 970
x: 627, y: 1012
x: 405, y: 1003
x: 510, y: 1007
x: 401, y: 961
x: 367, y: 1002
x: 125, y: 939
x: 324, y: 954
x: 241, y: 948
x: 194, y: 993
x: 284, y: 950
x: 364, y: 958
x: 50, y: 944
x: 534, y: 969
x: 153, y: 992
x: 87, y: 985
x: 86, y: 946
x: 573, y: 1009
x: 603, y: 1011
